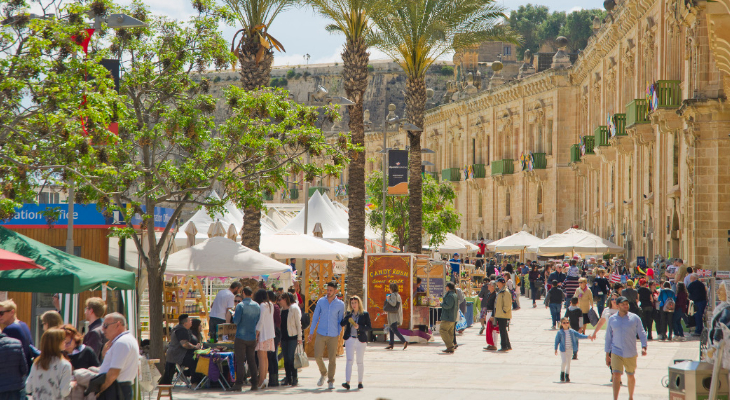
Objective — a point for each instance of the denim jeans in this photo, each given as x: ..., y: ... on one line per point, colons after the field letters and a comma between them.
x: 601, y: 303
x: 395, y: 332
x: 555, y: 312
x: 677, y: 323
x: 699, y: 313
x: 288, y: 349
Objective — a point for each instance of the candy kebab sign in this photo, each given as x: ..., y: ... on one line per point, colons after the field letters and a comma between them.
x: 381, y: 270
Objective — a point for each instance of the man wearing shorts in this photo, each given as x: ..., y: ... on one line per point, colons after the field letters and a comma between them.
x: 620, y: 345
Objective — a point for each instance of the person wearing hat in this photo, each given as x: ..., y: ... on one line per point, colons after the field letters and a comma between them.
x: 620, y: 346
x: 503, y: 313
x: 455, y: 267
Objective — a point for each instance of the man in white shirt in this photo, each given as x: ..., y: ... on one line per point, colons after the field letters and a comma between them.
x: 121, y: 355
x: 224, y: 301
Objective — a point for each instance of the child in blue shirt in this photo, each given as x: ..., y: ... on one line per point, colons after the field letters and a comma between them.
x: 566, y: 340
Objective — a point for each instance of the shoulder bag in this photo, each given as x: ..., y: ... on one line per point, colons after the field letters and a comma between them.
x: 300, y: 358
x: 387, y: 307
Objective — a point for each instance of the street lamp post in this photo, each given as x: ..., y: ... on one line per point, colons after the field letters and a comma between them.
x: 389, y: 118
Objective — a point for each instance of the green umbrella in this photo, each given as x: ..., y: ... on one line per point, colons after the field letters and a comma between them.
x: 63, y: 273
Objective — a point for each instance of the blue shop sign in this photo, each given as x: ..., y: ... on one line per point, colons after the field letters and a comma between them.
x: 85, y: 216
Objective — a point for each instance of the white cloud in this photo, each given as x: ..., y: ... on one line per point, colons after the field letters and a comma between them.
x: 574, y: 9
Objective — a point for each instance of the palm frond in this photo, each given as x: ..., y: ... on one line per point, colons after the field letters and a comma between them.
x: 333, y: 28
x: 417, y: 32
x: 252, y: 13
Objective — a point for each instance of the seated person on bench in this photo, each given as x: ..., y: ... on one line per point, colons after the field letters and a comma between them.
x: 181, y: 349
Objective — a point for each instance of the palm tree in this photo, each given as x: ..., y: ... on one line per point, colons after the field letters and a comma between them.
x: 255, y: 52
x: 415, y: 33
x: 353, y: 19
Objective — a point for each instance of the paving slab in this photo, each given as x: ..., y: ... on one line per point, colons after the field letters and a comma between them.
x: 530, y: 371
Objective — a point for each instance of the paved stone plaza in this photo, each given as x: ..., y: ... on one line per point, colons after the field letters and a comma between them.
x: 530, y: 371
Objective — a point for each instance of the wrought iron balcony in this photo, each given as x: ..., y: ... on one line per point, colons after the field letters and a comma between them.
x: 668, y: 94
x: 587, y: 145
x: 268, y: 196
x: 539, y: 161
x: 479, y: 171
x: 320, y: 189
x: 293, y: 193
x: 451, y: 174
x: 575, y: 153
x: 636, y: 112
x: 600, y: 136
x: 617, y: 125
x: 503, y: 167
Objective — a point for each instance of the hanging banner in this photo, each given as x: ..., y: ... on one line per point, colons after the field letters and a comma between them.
x: 397, y: 172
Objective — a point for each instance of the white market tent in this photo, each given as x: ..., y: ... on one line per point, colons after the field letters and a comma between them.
x: 575, y: 241
x: 290, y: 244
x: 203, y: 221
x: 320, y: 211
x: 516, y: 243
x: 455, y: 244
x: 220, y: 256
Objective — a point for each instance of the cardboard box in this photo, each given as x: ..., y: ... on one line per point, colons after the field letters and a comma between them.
x: 227, y: 329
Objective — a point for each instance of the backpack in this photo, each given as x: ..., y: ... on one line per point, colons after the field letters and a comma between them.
x: 668, y: 305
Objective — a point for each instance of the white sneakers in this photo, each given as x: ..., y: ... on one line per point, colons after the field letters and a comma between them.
x: 331, y: 385
x: 321, y: 380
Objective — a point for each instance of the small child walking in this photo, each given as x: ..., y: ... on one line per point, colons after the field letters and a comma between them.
x: 565, y: 341
x: 575, y: 316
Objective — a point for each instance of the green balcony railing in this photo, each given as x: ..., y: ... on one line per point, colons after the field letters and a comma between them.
x: 293, y: 193
x: 575, y: 153
x: 434, y: 175
x: 668, y: 93
x: 503, y: 167
x: 451, y: 174
x: 590, y: 143
x: 539, y: 161
x: 320, y: 189
x: 636, y: 112
x: 479, y: 170
x: 600, y: 136
x: 268, y: 196
x: 619, y: 125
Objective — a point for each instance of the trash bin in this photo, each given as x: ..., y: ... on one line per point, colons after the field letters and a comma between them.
x: 469, y: 313
x: 690, y: 380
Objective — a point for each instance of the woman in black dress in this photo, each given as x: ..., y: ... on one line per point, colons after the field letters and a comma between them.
x: 80, y: 355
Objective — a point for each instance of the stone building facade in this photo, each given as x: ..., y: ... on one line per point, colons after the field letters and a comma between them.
x: 583, y: 144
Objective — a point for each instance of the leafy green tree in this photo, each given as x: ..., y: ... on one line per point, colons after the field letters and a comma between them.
x: 527, y: 20
x: 169, y: 152
x: 439, y: 215
x: 415, y: 33
x: 54, y: 101
x: 578, y: 27
x: 255, y: 53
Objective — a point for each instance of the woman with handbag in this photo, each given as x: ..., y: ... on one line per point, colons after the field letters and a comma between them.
x: 394, y: 307
x: 357, y: 325
x: 291, y: 336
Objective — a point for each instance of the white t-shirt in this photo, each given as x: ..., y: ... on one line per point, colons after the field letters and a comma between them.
x: 224, y: 300
x: 568, y: 341
x: 608, y: 312
x: 124, y: 354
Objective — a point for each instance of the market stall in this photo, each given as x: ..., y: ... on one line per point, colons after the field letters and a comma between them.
x: 517, y: 243
x: 380, y: 271
x: 62, y: 273
x: 574, y: 241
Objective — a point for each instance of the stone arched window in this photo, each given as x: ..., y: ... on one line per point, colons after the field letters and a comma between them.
x: 539, y: 199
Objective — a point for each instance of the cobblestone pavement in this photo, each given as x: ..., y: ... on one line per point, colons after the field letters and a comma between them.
x: 530, y: 371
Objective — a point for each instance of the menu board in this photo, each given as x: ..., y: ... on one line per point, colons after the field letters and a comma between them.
x: 382, y: 270
x: 433, y: 278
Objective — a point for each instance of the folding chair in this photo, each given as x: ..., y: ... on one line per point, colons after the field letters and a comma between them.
x: 181, y: 377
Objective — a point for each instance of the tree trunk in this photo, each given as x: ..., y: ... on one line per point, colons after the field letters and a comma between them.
x: 355, y: 58
x: 415, y: 106
x: 156, y: 308
x: 253, y: 76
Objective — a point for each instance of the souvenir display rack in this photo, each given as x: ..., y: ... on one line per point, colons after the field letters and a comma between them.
x: 184, y: 295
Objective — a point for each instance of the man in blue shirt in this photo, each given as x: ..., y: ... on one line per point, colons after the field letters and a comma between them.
x: 455, y: 267
x: 17, y: 329
x: 246, y: 317
x: 326, y: 321
x: 620, y: 347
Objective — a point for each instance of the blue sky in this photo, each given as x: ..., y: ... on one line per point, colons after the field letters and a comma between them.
x: 302, y: 32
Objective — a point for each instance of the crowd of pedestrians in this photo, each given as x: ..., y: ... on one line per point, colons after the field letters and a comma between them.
x: 106, y: 354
